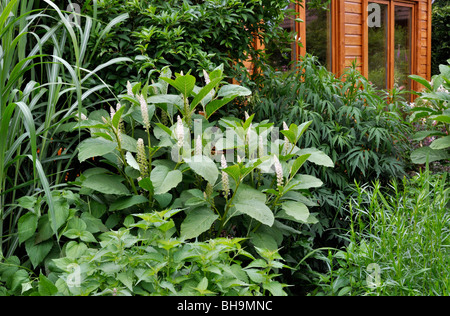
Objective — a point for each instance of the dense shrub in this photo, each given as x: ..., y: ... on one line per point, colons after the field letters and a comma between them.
x: 360, y: 128
x: 183, y: 35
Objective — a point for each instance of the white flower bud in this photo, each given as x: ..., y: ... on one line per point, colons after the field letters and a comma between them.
x: 130, y: 89
x: 142, y: 158
x: 179, y: 132
x: 278, y: 171
x: 144, y: 111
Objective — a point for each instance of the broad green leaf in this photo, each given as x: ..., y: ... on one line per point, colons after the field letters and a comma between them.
x: 93, y: 147
x: 421, y: 80
x: 216, y: 104
x: 107, y: 184
x: 75, y: 250
x: 421, y: 155
x: 297, y: 210
x: 164, y: 179
x: 184, y: 84
x: 304, y: 181
x: 147, y: 184
x: 298, y: 163
x: 46, y: 287
x: 424, y: 134
x: 61, y: 207
x: 131, y: 161
x: 204, y: 92
x: 441, y: 118
x: 197, y: 221
x: 27, y: 226
x: 37, y: 252
x: 205, y: 167
x: 252, y: 202
x: 126, y: 202
x: 441, y: 143
x: 275, y: 288
x: 317, y: 156
x: 233, y: 90
x: 20, y: 279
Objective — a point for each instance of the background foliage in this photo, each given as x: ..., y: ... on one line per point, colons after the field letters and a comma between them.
x: 440, y: 39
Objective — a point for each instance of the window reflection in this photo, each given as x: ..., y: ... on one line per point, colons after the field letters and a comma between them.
x: 378, y: 44
x: 402, y: 46
x: 318, y: 31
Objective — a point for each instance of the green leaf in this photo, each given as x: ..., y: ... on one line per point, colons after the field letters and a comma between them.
x: 204, y: 92
x: 420, y: 156
x: 164, y: 179
x: 147, y: 184
x: 184, y: 84
x: 75, y: 250
x: 275, y: 288
x: 197, y: 221
x: 232, y: 91
x: 297, y: 210
x: 421, y: 80
x: 107, y: 184
x: 27, y: 226
x: 234, y: 171
x: 46, y: 287
x: 303, y: 181
x: 214, y: 105
x: 131, y: 161
x: 126, y: 202
x: 61, y: 207
x: 440, y: 118
x: 205, y: 167
x: 441, y: 143
x: 424, y: 134
x: 298, y: 163
x: 37, y: 252
x: 252, y: 202
x: 317, y: 156
x: 93, y: 147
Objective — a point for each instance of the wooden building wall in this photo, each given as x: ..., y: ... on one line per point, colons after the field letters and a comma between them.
x: 350, y: 35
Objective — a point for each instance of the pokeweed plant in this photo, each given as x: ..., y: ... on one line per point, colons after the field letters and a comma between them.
x: 230, y: 177
x: 432, y: 108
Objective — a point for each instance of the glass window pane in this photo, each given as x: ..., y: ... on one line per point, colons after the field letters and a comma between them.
x: 318, y: 31
x: 378, y: 44
x: 402, y: 46
x: 281, y: 48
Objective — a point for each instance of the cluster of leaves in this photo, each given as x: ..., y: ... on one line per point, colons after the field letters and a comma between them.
x: 177, y: 166
x: 398, y: 241
x: 144, y: 258
x: 183, y: 34
x: 164, y: 176
x: 361, y: 129
x: 433, y: 108
x: 43, y: 80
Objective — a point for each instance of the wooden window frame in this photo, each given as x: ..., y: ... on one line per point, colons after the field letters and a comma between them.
x: 337, y: 34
